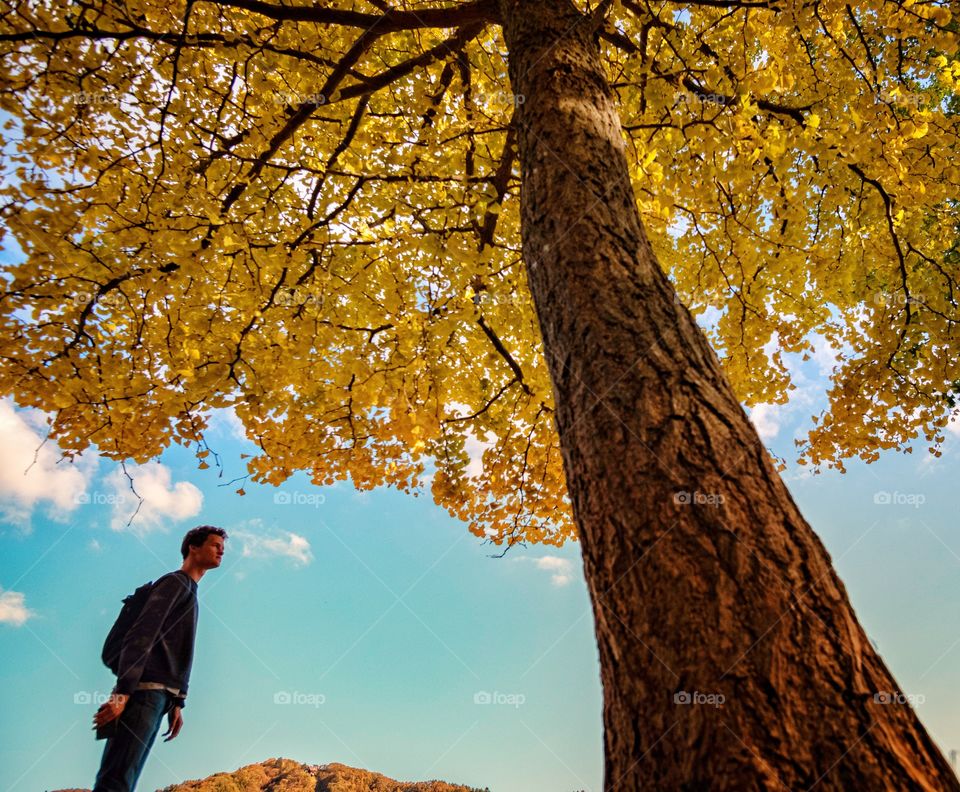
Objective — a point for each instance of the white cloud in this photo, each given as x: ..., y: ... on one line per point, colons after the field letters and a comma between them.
x: 766, y: 419
x: 30, y: 473
x: 283, y: 543
x: 13, y: 608
x: 162, y: 499
x: 772, y: 345
x: 954, y: 426
x: 475, y: 448
x: 226, y: 421
x: 825, y: 355
x: 561, y: 568
x: 809, y: 392
x: 292, y: 546
x: 472, y: 444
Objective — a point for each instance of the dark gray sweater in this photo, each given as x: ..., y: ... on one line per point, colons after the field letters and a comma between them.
x: 159, y: 645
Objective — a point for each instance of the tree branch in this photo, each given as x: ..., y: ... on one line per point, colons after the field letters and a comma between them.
x: 479, y: 11
x: 505, y: 354
x: 394, y: 73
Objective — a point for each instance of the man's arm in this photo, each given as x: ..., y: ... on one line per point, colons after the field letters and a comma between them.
x: 142, y: 635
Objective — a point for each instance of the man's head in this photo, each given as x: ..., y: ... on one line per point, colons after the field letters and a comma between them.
x: 204, y: 546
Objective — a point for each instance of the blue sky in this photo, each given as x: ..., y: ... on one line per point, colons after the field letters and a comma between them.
x: 372, y: 629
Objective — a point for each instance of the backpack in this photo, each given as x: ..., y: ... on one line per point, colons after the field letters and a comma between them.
x: 132, y: 605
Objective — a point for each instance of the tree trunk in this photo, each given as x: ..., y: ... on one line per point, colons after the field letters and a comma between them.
x: 730, y: 656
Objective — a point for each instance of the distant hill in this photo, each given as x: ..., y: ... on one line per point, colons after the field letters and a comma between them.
x: 286, y: 775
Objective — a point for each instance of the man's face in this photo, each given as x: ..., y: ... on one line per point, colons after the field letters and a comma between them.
x: 210, y: 553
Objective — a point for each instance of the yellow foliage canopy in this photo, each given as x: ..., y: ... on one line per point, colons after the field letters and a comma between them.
x: 309, y: 214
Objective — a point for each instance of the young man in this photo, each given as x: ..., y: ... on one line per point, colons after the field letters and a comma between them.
x: 155, y: 665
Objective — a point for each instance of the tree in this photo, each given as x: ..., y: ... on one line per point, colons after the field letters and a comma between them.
x: 309, y: 214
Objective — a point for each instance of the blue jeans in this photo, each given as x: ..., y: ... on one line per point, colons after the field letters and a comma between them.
x: 125, y: 752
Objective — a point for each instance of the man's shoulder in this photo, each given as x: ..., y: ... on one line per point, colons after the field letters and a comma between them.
x: 176, y: 582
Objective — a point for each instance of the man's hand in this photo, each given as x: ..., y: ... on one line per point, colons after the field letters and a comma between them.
x: 110, y: 710
x: 175, y: 721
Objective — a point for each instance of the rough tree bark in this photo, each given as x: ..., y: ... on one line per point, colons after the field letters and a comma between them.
x: 725, y: 591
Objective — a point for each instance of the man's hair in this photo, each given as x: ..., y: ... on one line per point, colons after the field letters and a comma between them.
x: 195, y: 537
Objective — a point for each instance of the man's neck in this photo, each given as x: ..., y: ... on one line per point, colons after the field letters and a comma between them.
x: 192, y: 571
